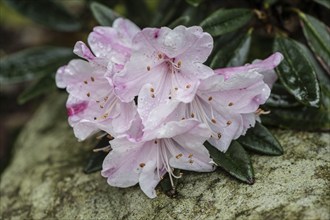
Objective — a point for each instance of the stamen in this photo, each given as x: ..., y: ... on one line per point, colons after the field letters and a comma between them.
x: 152, y: 90
x: 105, y: 115
x: 179, y: 64
x: 190, y: 156
x: 213, y: 121
x: 104, y: 149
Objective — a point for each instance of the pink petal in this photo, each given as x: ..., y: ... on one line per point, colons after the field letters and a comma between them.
x: 148, y: 180
x: 83, y: 51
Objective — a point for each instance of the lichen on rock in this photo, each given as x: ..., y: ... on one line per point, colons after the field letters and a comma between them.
x: 45, y: 180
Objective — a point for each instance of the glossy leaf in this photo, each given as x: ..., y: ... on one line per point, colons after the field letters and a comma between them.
x: 104, y: 15
x: 194, y: 3
x: 226, y: 20
x: 260, y: 140
x: 281, y: 98
x: 325, y: 3
x: 138, y: 11
x: 95, y: 160
x: 166, y: 185
x: 40, y: 87
x: 296, y: 72
x: 31, y: 63
x: 318, y: 38
x: 234, y: 53
x: 235, y: 161
x: 46, y: 12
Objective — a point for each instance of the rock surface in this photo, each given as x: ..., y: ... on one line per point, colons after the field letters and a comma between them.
x: 45, y: 181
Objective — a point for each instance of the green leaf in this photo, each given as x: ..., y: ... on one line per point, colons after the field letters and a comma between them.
x: 194, y: 3
x: 31, y: 63
x: 260, y: 140
x: 42, y: 86
x: 318, y: 38
x: 325, y: 3
x: 166, y: 185
x: 281, y: 98
x: 226, y: 20
x: 104, y: 15
x: 183, y: 20
x: 46, y: 12
x: 95, y: 160
x: 138, y: 11
x: 235, y: 161
x: 234, y: 53
x: 296, y: 72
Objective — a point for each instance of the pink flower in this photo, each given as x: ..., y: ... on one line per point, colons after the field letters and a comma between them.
x: 225, y: 103
x: 92, y: 104
x: 146, y: 161
x: 170, y: 60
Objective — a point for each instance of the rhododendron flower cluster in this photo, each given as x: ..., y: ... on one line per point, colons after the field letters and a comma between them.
x: 181, y: 102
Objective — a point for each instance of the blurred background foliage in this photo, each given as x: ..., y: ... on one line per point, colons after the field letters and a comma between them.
x: 37, y: 36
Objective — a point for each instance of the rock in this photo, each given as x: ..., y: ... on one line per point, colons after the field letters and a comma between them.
x: 45, y: 180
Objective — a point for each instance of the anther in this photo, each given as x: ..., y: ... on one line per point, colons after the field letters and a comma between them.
x: 142, y: 165
x: 148, y: 68
x: 192, y: 115
x: 101, y: 106
x: 88, y: 94
x: 152, y: 90
x: 230, y: 104
x: 178, y: 156
x: 229, y: 122
x: 213, y: 121
x: 85, y: 82
x: 179, y: 64
x: 210, y: 98
x: 92, y: 78
x: 105, y: 115
x: 188, y: 86
x: 190, y: 156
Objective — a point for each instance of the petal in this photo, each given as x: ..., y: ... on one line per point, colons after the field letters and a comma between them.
x: 148, y: 179
x: 122, y: 165
x: 264, y: 67
x: 127, y: 113
x: 60, y: 77
x: 126, y: 28
x: 83, y: 51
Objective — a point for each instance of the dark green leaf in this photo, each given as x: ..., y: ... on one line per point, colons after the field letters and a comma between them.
x: 281, y: 98
x: 233, y: 53
x: 46, y: 12
x: 104, y: 15
x: 260, y: 140
x: 31, y: 63
x: 183, y: 20
x: 318, y: 38
x: 296, y: 72
x: 42, y: 86
x: 138, y: 12
x: 235, y: 161
x: 325, y: 3
x: 95, y: 160
x: 194, y: 3
x: 226, y: 20
x: 166, y: 12
x: 166, y: 185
